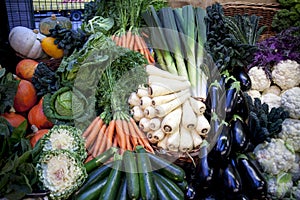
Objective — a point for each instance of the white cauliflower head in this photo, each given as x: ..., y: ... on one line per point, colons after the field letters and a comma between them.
x: 274, y: 89
x: 271, y: 99
x: 290, y: 101
x: 290, y: 133
x: 274, y: 156
x: 259, y: 79
x: 286, y: 74
x: 254, y: 94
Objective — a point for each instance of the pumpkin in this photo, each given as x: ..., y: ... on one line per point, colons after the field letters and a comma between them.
x: 50, y: 22
x: 51, y: 49
x: 25, y: 69
x: 13, y: 118
x: 26, y: 42
x: 37, y: 135
x: 26, y: 96
x: 37, y: 117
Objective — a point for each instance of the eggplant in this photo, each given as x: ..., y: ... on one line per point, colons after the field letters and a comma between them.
x: 232, y: 182
x: 231, y: 100
x: 190, y: 192
x: 204, y: 173
x: 215, y: 100
x: 241, y: 109
x: 244, y: 79
x: 253, y: 180
x: 240, y: 135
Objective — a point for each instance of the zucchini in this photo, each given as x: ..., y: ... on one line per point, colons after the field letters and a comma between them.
x: 92, y: 192
x: 182, y: 184
x: 100, y: 159
x: 110, y: 190
x: 173, y: 190
x: 167, y: 168
x: 147, y: 187
x: 96, y: 175
x: 122, y: 193
x: 131, y: 173
x: 163, y: 194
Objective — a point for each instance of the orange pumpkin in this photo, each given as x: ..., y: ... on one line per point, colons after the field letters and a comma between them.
x: 13, y: 118
x: 37, y: 117
x: 37, y: 135
x: 25, y: 69
x: 25, y: 97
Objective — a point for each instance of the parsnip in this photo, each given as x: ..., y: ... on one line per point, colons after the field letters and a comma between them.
x: 153, y: 70
x: 203, y: 126
x: 154, y: 79
x: 189, y: 117
x: 158, y: 89
x: 144, y: 124
x: 197, y: 139
x: 155, y: 123
x: 150, y: 137
x: 186, y: 141
x: 158, y: 100
x: 163, y: 143
x: 134, y: 99
x: 164, y: 109
x: 174, y: 141
x: 145, y: 102
x: 150, y: 112
x: 157, y: 135
x: 170, y: 123
x: 142, y: 92
x: 198, y: 106
x: 137, y: 113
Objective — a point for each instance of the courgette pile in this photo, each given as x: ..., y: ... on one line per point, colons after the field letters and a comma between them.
x: 132, y: 175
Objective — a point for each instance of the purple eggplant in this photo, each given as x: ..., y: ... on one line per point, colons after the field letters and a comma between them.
x: 231, y: 99
x: 252, y: 178
x: 244, y: 79
x: 240, y: 135
x: 241, y: 109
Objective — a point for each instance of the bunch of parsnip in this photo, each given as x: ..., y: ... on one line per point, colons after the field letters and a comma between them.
x: 165, y: 110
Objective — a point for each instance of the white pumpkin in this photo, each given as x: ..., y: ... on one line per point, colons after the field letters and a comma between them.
x: 26, y: 42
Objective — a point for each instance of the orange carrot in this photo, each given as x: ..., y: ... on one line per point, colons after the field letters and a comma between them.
x: 134, y: 139
x: 93, y: 135
x: 128, y: 39
x: 113, y: 37
x: 89, y: 158
x: 90, y: 126
x: 127, y: 134
x: 111, y: 131
x: 121, y: 134
x: 99, y: 140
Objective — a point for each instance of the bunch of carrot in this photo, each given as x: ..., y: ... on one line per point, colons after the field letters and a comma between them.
x: 123, y: 133
x: 134, y: 42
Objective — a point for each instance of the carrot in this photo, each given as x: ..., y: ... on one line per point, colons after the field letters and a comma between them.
x: 113, y: 37
x: 138, y: 42
x: 116, y: 39
x: 104, y: 142
x: 93, y: 134
x: 99, y: 141
x: 111, y: 131
x: 127, y: 134
x: 89, y: 158
x: 128, y: 39
x: 121, y: 134
x: 134, y: 139
x: 132, y: 41
x: 115, y: 142
x: 141, y: 137
x: 89, y: 128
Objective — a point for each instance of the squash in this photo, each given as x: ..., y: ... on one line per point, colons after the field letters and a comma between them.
x: 13, y: 118
x: 36, y: 135
x: 51, y: 49
x: 50, y: 22
x: 26, y: 96
x: 37, y: 117
x: 26, y: 42
x: 25, y: 69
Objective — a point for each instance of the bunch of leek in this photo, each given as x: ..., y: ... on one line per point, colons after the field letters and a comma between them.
x: 177, y: 36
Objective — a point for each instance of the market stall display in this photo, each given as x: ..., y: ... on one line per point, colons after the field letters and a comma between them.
x: 153, y: 102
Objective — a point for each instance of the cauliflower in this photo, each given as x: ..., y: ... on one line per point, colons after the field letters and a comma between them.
x: 274, y: 157
x: 290, y: 101
x: 274, y: 89
x: 254, y: 94
x: 286, y: 74
x: 279, y: 185
x: 259, y: 79
x: 272, y: 100
x: 296, y: 191
x: 290, y: 133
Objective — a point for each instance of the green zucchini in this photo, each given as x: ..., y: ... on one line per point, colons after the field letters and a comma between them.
x: 132, y: 176
x: 163, y: 194
x: 100, y: 159
x: 170, y: 186
x: 122, y: 193
x: 167, y: 168
x: 96, y: 175
x: 147, y: 186
x: 110, y: 190
x: 92, y: 192
x: 182, y: 184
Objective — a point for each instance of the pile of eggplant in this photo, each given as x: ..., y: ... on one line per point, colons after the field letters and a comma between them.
x: 225, y: 167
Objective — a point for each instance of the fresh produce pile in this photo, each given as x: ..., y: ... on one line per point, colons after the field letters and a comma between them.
x: 152, y: 102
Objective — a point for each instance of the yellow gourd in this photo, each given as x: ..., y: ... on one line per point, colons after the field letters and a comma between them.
x: 51, y: 49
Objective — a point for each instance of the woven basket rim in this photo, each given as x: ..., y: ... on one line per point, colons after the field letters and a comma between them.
x: 251, y: 4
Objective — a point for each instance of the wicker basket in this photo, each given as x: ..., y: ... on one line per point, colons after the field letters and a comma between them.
x: 265, y: 10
